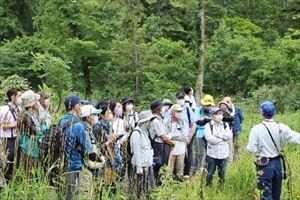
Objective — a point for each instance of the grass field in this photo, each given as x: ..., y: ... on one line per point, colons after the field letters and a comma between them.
x: 240, y: 176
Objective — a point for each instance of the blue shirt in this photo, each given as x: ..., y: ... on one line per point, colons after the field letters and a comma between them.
x: 199, y: 112
x: 75, y: 142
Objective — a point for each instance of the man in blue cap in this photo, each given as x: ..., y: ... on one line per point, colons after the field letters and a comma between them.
x: 75, y: 138
x: 266, y: 141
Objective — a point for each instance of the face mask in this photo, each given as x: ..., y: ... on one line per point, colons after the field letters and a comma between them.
x: 178, y: 115
x: 219, y: 118
x: 129, y: 107
x: 180, y: 101
x: 19, y: 102
x: 118, y: 111
x: 47, y: 103
x: 95, y: 119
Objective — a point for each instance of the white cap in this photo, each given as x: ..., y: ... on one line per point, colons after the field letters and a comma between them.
x: 88, y: 110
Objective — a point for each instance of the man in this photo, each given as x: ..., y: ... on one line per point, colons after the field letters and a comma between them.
x: 177, y: 128
x: 189, y: 117
x: 166, y: 108
x: 142, y: 155
x: 202, y: 114
x: 160, y: 139
x: 8, y: 128
x: 266, y: 141
x: 189, y: 92
x: 217, y: 134
x: 75, y: 144
x: 236, y: 124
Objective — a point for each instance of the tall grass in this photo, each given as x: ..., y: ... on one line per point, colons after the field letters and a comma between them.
x: 240, y: 180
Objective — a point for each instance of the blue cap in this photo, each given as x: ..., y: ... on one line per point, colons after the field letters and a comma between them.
x: 267, y: 109
x: 214, y: 110
x: 71, y: 101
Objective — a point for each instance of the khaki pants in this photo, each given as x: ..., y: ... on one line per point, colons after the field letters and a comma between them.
x: 176, y: 161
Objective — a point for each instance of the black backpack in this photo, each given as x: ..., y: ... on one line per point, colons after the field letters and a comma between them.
x: 52, y: 149
x: 128, y: 142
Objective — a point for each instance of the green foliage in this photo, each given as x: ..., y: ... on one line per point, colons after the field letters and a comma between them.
x: 13, y: 81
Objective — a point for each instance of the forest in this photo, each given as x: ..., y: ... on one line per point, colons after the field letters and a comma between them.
x: 151, y: 49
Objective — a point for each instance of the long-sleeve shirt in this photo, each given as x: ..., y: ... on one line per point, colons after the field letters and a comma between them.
x: 179, y: 132
x: 261, y: 143
x: 217, y: 140
x: 141, y: 148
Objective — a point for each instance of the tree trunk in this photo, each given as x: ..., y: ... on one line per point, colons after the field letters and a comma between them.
x: 87, y: 79
x: 134, y: 46
x: 225, y: 7
x: 199, y: 81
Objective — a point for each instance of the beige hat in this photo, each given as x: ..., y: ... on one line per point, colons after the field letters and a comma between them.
x: 176, y: 107
x: 29, y: 98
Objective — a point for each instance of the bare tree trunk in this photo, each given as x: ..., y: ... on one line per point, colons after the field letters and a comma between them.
x: 134, y: 46
x: 87, y: 79
x: 199, y: 81
x: 225, y: 6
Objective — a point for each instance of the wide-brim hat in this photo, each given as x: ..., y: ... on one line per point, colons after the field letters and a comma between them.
x: 145, y: 116
x: 208, y: 100
x: 29, y: 98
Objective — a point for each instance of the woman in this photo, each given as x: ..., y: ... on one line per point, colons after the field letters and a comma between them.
x: 217, y: 134
x: 105, y: 136
x: 30, y: 133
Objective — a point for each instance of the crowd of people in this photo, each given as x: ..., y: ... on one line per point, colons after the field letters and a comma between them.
x: 110, y: 141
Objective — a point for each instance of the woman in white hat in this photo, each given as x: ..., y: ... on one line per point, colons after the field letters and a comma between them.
x: 29, y: 128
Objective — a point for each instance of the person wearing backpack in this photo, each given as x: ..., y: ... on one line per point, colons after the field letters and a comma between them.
x: 142, y: 155
x: 189, y: 117
x: 217, y: 134
x: 202, y: 114
x: 8, y: 129
x: 238, y: 119
x: 178, y: 129
x: 75, y: 139
x: 161, y: 141
x: 266, y: 142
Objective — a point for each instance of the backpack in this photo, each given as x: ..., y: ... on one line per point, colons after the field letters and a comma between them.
x: 211, y: 129
x: 52, y: 147
x: 128, y: 142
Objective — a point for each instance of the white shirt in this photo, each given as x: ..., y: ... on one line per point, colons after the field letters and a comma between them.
x: 141, y: 148
x: 119, y: 128
x: 217, y: 141
x: 261, y: 143
x: 6, y: 117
